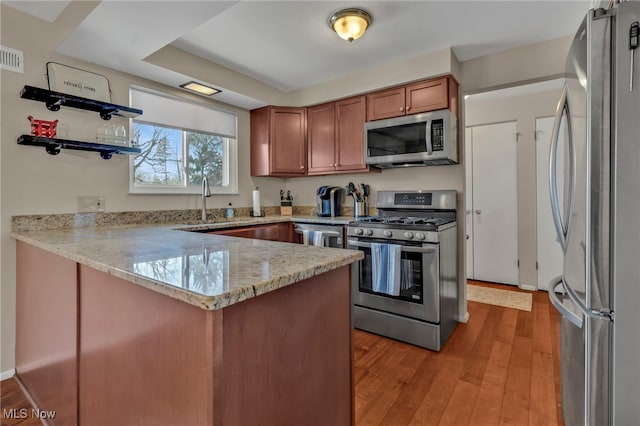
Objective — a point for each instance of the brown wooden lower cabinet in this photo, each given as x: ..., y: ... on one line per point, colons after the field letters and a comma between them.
x: 143, y: 358
x: 282, y: 232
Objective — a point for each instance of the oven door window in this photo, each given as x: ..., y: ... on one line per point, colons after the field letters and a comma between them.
x: 411, y: 277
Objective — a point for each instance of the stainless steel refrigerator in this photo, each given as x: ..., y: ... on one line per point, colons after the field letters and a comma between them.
x: 596, y: 212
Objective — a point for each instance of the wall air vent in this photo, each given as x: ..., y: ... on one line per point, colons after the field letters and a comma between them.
x: 11, y: 59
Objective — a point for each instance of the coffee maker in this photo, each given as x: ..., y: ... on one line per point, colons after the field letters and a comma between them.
x: 329, y: 201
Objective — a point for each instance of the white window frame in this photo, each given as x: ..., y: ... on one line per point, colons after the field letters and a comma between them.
x: 230, y: 173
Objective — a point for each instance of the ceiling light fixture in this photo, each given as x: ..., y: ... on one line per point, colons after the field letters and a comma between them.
x: 350, y: 24
x: 200, y: 88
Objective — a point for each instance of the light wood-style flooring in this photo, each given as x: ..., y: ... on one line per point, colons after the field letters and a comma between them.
x: 502, y: 367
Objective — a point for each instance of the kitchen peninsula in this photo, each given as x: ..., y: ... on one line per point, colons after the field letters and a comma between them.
x: 137, y: 325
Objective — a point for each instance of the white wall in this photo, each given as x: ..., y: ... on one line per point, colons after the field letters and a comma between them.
x: 412, y: 69
x: 514, y: 67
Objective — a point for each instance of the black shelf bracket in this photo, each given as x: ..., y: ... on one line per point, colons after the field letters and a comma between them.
x: 53, y: 146
x: 53, y: 101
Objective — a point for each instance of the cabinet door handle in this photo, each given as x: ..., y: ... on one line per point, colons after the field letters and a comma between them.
x: 301, y: 167
x: 478, y: 211
x: 408, y: 108
x: 401, y: 109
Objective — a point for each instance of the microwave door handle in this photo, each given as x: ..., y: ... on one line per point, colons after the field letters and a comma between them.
x: 428, y: 137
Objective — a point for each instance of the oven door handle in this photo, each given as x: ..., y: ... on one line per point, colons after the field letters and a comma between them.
x: 413, y: 249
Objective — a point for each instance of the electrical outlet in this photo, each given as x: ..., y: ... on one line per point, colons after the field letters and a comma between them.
x: 90, y: 203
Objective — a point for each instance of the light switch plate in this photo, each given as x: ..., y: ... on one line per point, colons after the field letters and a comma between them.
x: 90, y: 203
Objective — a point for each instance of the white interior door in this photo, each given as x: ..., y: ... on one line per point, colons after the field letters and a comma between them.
x: 469, y: 200
x: 549, y: 250
x: 495, y: 205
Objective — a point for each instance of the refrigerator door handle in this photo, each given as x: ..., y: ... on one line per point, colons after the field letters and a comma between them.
x: 562, y: 226
x: 575, y: 299
x: 555, y: 286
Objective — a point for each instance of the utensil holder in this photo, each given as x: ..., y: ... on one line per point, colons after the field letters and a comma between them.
x: 360, y: 209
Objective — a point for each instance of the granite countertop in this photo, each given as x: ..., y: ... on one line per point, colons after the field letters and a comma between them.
x: 248, y: 221
x: 339, y: 220
x: 205, y: 270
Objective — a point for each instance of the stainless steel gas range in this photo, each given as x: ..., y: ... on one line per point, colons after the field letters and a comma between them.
x: 406, y: 286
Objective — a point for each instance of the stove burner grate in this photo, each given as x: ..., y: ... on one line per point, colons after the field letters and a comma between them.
x: 410, y: 220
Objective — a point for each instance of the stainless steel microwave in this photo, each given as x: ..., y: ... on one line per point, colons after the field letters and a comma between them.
x: 427, y: 139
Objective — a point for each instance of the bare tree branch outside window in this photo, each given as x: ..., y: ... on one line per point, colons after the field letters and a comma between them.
x: 161, y: 159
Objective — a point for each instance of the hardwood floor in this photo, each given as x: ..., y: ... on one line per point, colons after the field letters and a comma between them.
x: 16, y: 409
x: 500, y: 368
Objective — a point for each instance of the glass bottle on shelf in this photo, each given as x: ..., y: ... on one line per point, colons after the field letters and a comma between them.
x: 121, y: 135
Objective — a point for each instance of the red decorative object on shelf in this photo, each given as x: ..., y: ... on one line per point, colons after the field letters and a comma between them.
x: 43, y: 128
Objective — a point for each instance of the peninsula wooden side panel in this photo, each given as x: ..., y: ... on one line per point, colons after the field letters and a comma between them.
x: 145, y: 358
x: 288, y: 355
x: 46, y: 331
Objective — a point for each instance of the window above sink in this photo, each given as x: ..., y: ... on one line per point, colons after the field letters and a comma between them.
x: 181, y: 143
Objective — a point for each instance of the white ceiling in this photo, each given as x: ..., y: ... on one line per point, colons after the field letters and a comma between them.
x: 288, y: 45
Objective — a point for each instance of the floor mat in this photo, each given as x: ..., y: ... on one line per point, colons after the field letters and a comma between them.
x: 495, y: 296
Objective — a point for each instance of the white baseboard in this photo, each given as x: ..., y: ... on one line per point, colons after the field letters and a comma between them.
x: 529, y: 287
x: 464, y: 319
x: 7, y: 374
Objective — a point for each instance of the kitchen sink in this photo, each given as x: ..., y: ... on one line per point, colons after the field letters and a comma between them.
x: 205, y: 222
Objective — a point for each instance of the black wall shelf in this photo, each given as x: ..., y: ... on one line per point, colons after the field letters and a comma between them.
x: 53, y: 146
x: 53, y: 101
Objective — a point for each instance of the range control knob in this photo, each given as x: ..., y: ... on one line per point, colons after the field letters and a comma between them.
x: 359, y: 231
x: 387, y: 234
x: 420, y: 235
x: 369, y: 232
x: 408, y: 235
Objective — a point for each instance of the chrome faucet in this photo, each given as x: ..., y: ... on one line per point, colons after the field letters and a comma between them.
x: 205, y: 193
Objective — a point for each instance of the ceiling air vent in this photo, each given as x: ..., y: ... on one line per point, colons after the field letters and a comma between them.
x: 11, y: 59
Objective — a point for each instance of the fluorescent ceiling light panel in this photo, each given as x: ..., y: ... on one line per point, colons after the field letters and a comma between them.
x: 200, y: 88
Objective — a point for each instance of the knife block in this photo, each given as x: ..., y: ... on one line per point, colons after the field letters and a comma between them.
x: 286, y: 209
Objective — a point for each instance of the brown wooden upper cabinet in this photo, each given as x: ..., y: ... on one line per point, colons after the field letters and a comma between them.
x: 278, y: 141
x: 335, y: 136
x: 329, y: 138
x: 423, y: 96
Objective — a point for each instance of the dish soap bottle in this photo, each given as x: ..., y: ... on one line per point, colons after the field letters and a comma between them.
x: 229, y: 212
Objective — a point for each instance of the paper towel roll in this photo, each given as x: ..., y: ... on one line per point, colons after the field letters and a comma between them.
x: 256, y: 202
